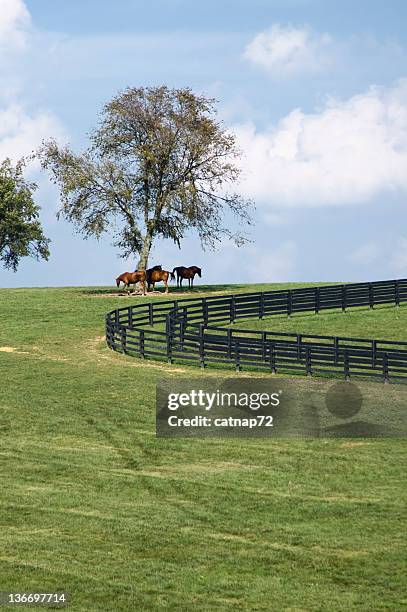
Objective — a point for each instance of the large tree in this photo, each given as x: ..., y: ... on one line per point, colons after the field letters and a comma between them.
x: 21, y: 234
x: 159, y: 164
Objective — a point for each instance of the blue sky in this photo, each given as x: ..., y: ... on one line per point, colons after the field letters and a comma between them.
x: 315, y: 91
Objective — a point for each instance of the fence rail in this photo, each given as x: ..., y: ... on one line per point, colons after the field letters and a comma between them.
x: 194, y: 330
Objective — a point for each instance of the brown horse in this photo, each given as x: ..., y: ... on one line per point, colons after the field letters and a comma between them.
x: 189, y: 273
x: 156, y: 274
x: 131, y: 278
x: 148, y: 275
x: 149, y: 272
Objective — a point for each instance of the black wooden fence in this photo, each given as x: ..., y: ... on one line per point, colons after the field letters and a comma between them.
x: 186, y: 330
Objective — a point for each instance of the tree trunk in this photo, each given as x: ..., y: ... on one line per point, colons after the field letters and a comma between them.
x: 145, y: 251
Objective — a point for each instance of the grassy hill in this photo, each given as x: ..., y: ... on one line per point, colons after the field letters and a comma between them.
x: 94, y: 504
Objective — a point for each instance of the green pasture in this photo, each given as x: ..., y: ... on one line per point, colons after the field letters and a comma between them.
x: 383, y: 322
x: 93, y: 503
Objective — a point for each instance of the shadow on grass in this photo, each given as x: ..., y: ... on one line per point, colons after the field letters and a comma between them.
x: 198, y: 289
x: 209, y: 289
x: 361, y: 429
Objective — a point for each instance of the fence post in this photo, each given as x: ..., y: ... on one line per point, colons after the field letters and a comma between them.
x: 374, y: 351
x: 232, y: 309
x: 371, y: 298
x: 263, y: 345
x: 346, y: 364
x: 205, y: 311
x: 229, y: 341
x: 237, y: 355
x: 141, y: 343
x: 317, y: 300
x: 397, y: 293
x: 289, y: 302
x: 273, y: 358
x: 343, y: 298
x: 308, y: 362
x: 111, y: 335
x: 201, y: 345
x: 123, y: 339
x: 299, y: 344
x: 130, y: 317
x: 168, y: 329
x: 385, y: 368
x: 261, y: 305
x: 107, y: 330
x: 115, y: 331
x: 150, y: 314
x: 182, y: 326
x: 336, y: 350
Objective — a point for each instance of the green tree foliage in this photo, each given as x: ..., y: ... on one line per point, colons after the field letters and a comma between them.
x: 159, y: 164
x: 21, y: 234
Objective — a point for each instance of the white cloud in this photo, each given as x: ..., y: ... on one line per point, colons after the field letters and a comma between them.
x: 399, y: 259
x: 349, y: 152
x: 276, y: 219
x: 21, y: 133
x: 14, y: 23
x: 272, y: 266
x: 366, y: 254
x: 288, y: 51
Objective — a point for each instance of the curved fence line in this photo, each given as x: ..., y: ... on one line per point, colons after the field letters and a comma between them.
x: 193, y: 330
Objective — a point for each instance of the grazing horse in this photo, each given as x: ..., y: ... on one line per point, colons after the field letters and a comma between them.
x: 156, y: 274
x: 131, y: 278
x: 189, y: 273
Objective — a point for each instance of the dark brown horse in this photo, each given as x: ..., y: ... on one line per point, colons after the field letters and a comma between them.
x: 148, y: 275
x: 189, y: 273
x: 131, y: 278
x: 156, y: 274
x: 150, y: 271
